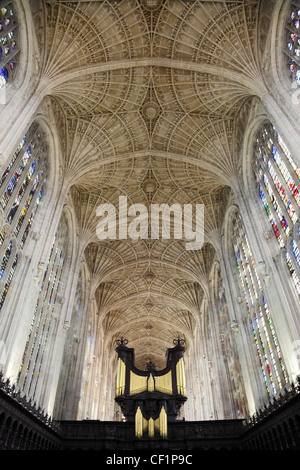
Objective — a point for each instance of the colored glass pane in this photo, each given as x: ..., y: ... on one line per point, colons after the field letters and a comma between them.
x: 21, y: 189
x: 265, y: 340
x: 277, y: 178
x: 9, y: 41
x: 293, y: 41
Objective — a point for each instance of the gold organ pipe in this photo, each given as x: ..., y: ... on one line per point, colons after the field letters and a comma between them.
x: 183, y: 377
x: 138, y: 423
x: 145, y: 424
x: 163, y: 422
x: 151, y: 427
x: 156, y: 424
x: 120, y: 385
x: 151, y: 383
x: 180, y: 377
x: 138, y: 383
x: 163, y: 383
x: 122, y: 377
x: 118, y: 378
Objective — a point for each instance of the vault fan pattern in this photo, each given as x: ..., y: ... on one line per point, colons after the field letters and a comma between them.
x: 149, y: 92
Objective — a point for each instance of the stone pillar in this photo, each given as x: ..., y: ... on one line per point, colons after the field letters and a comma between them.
x: 254, y: 388
x: 69, y: 388
x: 51, y: 368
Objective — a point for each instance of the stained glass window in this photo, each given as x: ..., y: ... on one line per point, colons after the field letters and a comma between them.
x: 21, y: 189
x: 264, y: 336
x: 9, y: 43
x: 278, y: 182
x: 44, y: 317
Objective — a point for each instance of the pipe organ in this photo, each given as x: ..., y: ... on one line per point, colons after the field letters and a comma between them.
x: 150, y: 398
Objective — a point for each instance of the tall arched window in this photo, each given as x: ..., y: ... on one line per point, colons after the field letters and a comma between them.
x: 264, y: 336
x: 46, y: 312
x: 293, y: 42
x: 21, y: 189
x: 277, y: 178
x: 9, y: 47
x: 229, y: 347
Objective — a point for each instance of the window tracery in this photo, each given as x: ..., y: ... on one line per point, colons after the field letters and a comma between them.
x: 264, y: 336
x: 9, y: 47
x: 277, y: 179
x: 21, y: 190
x: 293, y: 42
x: 45, y: 313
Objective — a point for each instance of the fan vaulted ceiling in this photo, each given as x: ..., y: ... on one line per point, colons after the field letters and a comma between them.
x: 148, y: 92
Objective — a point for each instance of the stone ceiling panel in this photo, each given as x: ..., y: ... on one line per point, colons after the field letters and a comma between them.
x: 149, y: 94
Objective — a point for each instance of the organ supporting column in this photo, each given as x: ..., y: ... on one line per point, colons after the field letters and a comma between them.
x: 150, y: 398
